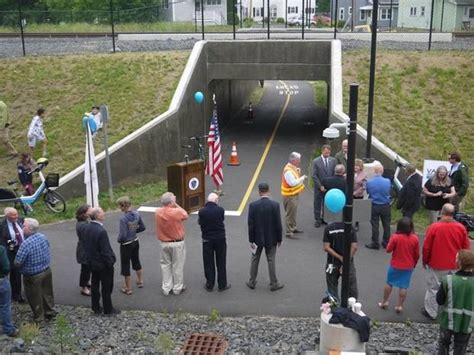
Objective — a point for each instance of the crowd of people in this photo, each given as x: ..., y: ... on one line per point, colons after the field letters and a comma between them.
x: 445, y: 253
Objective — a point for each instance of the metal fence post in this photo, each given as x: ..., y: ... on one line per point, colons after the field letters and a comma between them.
x: 233, y: 16
x: 442, y: 17
x: 335, y: 18
x: 431, y: 24
x: 112, y: 23
x: 302, y: 19
x: 268, y: 18
x: 20, y: 15
x: 202, y: 18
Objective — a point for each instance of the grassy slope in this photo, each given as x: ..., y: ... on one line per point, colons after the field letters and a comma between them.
x: 423, y: 103
x: 137, y: 87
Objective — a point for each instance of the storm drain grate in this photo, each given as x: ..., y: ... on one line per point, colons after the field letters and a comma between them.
x: 204, y: 343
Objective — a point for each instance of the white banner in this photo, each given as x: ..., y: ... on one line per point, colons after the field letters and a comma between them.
x: 430, y: 166
x: 90, y: 171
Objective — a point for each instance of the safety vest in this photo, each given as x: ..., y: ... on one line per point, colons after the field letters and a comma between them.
x: 457, y: 312
x: 287, y: 190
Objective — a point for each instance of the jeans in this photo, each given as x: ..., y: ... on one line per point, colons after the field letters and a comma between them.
x: 5, y: 306
x: 332, y: 281
x: 381, y: 212
x: 460, y: 342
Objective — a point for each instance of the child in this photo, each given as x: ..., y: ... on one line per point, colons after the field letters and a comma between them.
x: 24, y: 167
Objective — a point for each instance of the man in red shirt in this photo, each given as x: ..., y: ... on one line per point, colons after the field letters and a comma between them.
x: 170, y: 232
x: 443, y: 240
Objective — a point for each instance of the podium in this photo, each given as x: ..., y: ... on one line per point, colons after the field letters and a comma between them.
x: 186, y: 181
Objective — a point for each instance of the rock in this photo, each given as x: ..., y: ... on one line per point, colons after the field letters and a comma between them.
x: 85, y: 344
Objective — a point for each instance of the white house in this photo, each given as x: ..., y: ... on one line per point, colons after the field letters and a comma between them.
x: 257, y: 9
x: 215, y: 11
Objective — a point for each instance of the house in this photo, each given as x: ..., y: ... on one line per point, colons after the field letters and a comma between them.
x: 448, y: 15
x: 257, y: 9
x: 215, y: 11
x: 387, y: 12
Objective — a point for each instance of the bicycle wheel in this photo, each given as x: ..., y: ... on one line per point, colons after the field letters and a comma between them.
x: 54, y: 201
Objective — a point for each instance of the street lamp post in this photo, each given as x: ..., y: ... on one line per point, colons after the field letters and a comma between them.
x: 373, y: 52
x: 346, y: 257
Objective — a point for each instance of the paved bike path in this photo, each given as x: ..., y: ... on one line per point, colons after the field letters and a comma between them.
x: 300, y: 263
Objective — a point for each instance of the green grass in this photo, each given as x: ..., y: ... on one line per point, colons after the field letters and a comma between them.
x: 423, y: 103
x: 136, y: 86
x: 119, y: 27
x: 320, y: 93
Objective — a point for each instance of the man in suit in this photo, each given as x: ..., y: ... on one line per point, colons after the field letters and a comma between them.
x: 11, y: 237
x: 323, y: 167
x: 341, y: 156
x: 101, y: 259
x: 409, y: 198
x: 459, y: 175
x: 265, y: 231
x: 214, y: 247
x: 338, y: 180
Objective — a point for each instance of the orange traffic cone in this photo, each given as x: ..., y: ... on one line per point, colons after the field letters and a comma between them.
x: 234, y: 157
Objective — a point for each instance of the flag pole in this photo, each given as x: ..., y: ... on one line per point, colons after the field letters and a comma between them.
x: 218, y: 189
x: 90, y: 163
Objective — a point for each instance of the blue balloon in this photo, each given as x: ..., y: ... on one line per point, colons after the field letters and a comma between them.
x: 198, y: 97
x: 335, y: 200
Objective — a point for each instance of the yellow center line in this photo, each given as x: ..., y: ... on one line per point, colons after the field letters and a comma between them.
x: 265, y: 153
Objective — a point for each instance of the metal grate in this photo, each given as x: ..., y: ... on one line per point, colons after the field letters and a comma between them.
x: 204, y: 343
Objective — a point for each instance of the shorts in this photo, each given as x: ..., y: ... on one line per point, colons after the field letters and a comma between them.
x: 129, y: 252
x: 32, y: 141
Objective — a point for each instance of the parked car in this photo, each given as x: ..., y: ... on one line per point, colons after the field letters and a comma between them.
x: 297, y: 21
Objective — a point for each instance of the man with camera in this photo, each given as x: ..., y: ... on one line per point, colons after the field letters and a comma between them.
x: 11, y: 237
x: 333, y: 242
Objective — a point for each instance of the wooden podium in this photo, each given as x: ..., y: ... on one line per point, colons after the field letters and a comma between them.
x: 186, y: 181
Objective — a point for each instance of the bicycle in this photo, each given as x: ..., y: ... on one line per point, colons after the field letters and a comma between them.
x: 52, y: 199
x: 396, y: 184
x: 199, y: 148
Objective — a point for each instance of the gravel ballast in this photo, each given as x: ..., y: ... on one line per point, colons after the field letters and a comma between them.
x: 151, y: 332
x: 11, y: 47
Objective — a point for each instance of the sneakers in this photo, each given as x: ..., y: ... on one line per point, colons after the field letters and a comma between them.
x: 317, y: 223
x: 250, y: 286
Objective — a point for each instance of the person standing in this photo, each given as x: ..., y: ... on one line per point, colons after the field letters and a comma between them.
x: 360, y: 179
x: 405, y: 250
x: 214, y: 246
x: 456, y: 305
x: 291, y: 186
x: 36, y: 131
x: 82, y: 218
x: 443, y: 240
x: 12, y: 237
x: 437, y: 190
x: 5, y: 130
x: 33, y: 259
x: 6, y: 296
x: 341, y: 156
x: 338, y: 180
x: 323, y: 167
x: 333, y: 242
x: 265, y: 232
x: 409, y: 198
x: 170, y: 232
x: 378, y: 189
x: 459, y: 175
x: 130, y: 224
x: 101, y: 260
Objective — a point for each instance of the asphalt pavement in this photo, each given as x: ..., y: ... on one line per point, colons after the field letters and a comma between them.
x: 300, y: 263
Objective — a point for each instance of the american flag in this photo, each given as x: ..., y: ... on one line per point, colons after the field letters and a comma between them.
x: 214, y: 162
